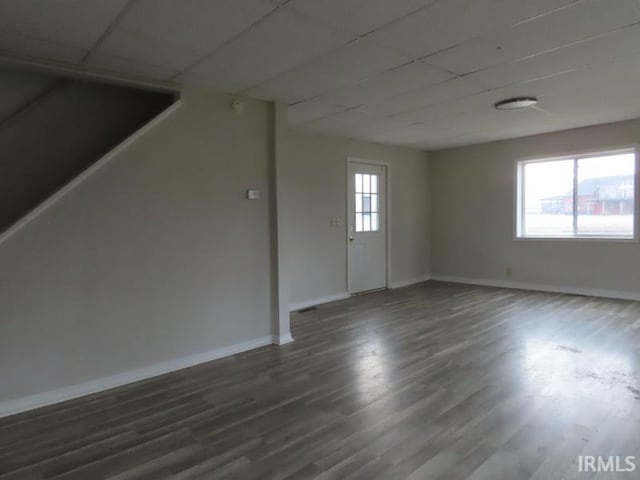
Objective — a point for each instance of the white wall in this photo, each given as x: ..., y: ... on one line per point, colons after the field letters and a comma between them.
x: 316, y: 191
x: 472, y: 194
x: 158, y: 257
x: 155, y: 257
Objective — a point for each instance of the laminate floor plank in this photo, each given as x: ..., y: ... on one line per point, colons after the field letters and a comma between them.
x: 431, y: 381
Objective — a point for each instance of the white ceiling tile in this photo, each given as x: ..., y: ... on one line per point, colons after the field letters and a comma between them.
x: 359, y: 16
x: 570, y: 110
x: 126, y: 66
x: 581, y: 92
x: 280, y: 42
x: 460, y: 141
x: 28, y: 25
x: 456, y: 107
x: 430, y: 139
x: 305, y: 53
x: 338, y: 123
x: 618, y: 77
x: 392, y: 82
x: 310, y: 110
x: 622, y: 111
x: 562, y: 27
x: 423, y: 97
x: 177, y: 34
x: 585, y: 96
x: 503, y: 132
x: 340, y: 68
x: 415, y: 133
x: 563, y: 99
x: 618, y: 44
x: 377, y: 125
x: 504, y: 124
x: 23, y: 45
x: 488, y: 118
x: 447, y: 23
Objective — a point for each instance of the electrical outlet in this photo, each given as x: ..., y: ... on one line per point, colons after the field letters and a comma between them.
x: 508, y: 271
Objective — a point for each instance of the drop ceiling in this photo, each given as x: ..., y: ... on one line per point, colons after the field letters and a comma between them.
x: 418, y: 73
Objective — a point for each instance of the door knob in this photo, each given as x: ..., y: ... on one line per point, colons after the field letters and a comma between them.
x: 351, y: 239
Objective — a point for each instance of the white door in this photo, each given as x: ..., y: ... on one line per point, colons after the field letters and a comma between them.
x: 366, y: 227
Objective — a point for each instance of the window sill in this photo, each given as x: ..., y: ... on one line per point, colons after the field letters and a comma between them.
x: 579, y: 239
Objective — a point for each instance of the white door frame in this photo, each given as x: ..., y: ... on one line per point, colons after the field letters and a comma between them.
x: 387, y: 217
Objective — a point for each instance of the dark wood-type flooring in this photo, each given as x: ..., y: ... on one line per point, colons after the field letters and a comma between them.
x: 432, y: 381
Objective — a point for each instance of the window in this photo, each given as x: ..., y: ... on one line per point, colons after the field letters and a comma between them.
x: 585, y: 196
x: 367, y: 208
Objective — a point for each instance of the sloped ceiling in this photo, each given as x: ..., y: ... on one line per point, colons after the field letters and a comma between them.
x: 420, y: 73
x: 19, y: 89
x: 50, y: 133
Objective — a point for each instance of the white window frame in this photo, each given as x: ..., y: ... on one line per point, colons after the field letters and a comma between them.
x: 370, y: 211
x: 519, y: 216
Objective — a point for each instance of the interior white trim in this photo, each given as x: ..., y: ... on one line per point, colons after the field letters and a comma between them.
x: 410, y: 281
x: 592, y: 292
x: 282, y: 339
x: 518, y: 194
x: 82, y: 71
x: 387, y: 216
x: 43, y: 399
x: 318, y: 301
x: 104, y: 160
x: 345, y: 295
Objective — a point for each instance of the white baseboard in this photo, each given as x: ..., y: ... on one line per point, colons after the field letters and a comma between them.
x: 592, y: 292
x: 318, y: 301
x: 410, y: 281
x: 344, y: 295
x: 282, y: 339
x: 38, y: 400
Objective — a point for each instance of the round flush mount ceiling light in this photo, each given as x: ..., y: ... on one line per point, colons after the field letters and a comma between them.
x: 515, y: 103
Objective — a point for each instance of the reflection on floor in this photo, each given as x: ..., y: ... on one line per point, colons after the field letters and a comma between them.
x: 431, y: 381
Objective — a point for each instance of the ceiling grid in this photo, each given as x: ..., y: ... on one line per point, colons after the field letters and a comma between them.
x: 419, y: 73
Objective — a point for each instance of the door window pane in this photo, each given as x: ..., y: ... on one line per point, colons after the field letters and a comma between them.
x: 374, y: 221
x: 366, y: 183
x: 366, y: 203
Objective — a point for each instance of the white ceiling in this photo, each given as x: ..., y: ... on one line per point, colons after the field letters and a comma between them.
x: 420, y: 73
